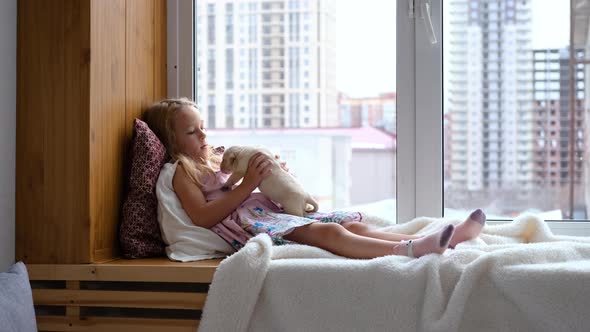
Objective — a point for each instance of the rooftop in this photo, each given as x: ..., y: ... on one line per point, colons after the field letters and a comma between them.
x: 362, y: 137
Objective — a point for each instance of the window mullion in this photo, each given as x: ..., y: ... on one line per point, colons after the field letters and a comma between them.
x: 406, y: 121
x: 429, y: 115
x: 419, y: 115
x: 180, y: 54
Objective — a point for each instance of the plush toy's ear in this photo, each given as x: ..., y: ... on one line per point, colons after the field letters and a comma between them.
x: 231, y: 157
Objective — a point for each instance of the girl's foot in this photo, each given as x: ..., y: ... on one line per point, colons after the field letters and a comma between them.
x: 469, y: 229
x: 435, y: 243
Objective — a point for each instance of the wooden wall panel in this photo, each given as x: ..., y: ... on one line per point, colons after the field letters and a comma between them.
x: 29, y: 119
x: 144, y: 55
x: 50, y: 136
x: 85, y: 70
x: 140, y: 58
x: 54, y: 143
x: 107, y: 124
x: 72, y: 196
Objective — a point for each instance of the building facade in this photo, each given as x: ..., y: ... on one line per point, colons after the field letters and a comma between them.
x: 339, y: 167
x: 266, y: 63
x: 488, y: 82
x: 553, y: 125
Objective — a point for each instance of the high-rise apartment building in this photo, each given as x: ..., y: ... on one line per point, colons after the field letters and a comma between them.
x: 488, y: 82
x: 266, y: 63
x: 552, y: 124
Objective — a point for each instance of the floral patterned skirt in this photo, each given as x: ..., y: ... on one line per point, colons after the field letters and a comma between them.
x: 258, y: 215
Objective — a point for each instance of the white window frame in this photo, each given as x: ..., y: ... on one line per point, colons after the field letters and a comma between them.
x: 419, y: 114
x: 427, y: 123
x: 419, y: 106
x: 180, y: 52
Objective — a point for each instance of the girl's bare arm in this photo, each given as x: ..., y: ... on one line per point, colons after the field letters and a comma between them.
x: 208, y: 214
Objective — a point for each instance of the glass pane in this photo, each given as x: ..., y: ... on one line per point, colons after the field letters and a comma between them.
x: 580, y: 20
x: 508, y: 120
x: 297, y: 77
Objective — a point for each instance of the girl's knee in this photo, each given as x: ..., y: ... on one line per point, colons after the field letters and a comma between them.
x: 333, y: 232
x: 314, y: 233
x: 318, y: 234
x: 355, y: 227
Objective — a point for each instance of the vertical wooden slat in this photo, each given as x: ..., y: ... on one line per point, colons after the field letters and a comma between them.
x: 49, y: 152
x: 31, y: 168
x: 29, y: 162
x: 75, y: 128
x: 140, y: 59
x: 54, y: 136
x: 107, y: 124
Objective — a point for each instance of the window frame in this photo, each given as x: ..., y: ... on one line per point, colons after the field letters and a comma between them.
x: 430, y: 84
x: 180, y: 48
x: 419, y: 160
x: 426, y: 121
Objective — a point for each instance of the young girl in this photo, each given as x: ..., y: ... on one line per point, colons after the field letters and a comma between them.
x: 199, y: 220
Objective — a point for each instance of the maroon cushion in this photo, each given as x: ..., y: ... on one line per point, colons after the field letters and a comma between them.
x: 139, y: 233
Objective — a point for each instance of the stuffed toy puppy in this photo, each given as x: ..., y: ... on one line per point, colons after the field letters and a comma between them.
x: 280, y: 186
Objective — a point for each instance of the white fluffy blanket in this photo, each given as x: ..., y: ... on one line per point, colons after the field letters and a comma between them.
x: 515, y: 277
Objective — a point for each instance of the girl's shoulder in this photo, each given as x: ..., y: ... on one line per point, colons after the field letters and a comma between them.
x: 207, y: 179
x: 179, y: 174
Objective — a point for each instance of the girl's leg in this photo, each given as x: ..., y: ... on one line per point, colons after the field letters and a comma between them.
x: 365, y: 230
x: 467, y: 230
x: 338, y: 240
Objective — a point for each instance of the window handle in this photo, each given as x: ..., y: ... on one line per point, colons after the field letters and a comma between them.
x: 426, y: 16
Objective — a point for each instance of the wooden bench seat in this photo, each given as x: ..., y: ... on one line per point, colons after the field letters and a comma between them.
x: 153, y: 294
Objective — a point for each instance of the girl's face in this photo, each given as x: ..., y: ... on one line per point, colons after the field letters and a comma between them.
x: 189, y: 130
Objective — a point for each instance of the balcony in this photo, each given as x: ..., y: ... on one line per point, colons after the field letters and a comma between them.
x: 273, y: 54
x: 269, y: 31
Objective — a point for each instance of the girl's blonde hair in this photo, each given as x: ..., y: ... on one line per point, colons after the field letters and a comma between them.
x: 160, y: 118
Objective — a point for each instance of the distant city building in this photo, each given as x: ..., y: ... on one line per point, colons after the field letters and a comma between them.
x: 488, y: 77
x: 376, y: 111
x: 266, y: 63
x: 552, y: 123
x: 340, y: 167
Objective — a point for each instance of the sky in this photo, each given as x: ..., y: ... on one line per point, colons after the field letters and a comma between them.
x: 366, y: 66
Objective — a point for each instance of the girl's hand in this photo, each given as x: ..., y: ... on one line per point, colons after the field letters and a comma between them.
x: 258, y: 169
x: 282, y: 163
x: 219, y: 150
